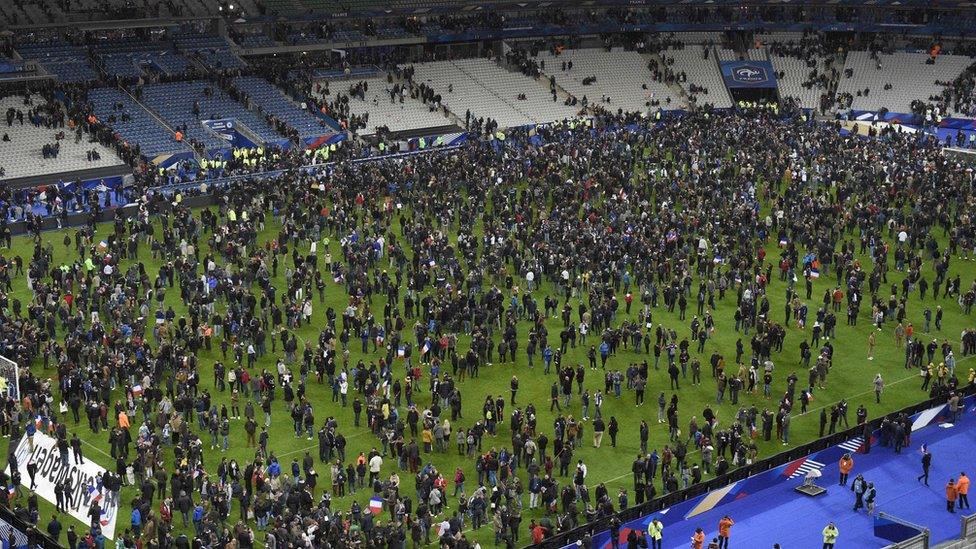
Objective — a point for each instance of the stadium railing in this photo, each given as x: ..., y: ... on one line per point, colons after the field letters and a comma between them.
x: 18, y: 534
x: 918, y: 541
x: 569, y: 537
x: 968, y: 527
x: 967, y: 537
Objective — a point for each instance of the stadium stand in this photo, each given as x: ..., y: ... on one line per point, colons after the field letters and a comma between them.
x: 958, y: 97
x: 589, y: 208
x: 727, y: 54
x: 132, y: 58
x: 403, y: 113
x: 132, y: 122
x: 620, y: 75
x: 525, y: 95
x: 703, y: 37
x: 212, y: 52
x: 175, y: 102
x: 467, y: 95
x: 68, y: 63
x: 259, y: 40
x: 272, y: 102
x: 703, y: 79
x: 894, y: 81
x: 23, y: 144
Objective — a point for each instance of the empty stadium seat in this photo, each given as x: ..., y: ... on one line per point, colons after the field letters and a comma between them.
x: 502, y: 85
x: 272, y: 100
x: 619, y: 74
x: 66, y: 62
x: 795, y: 73
x: 910, y: 78
x: 411, y: 114
x: 174, y: 104
x: 142, y: 128
x: 701, y: 72
x: 21, y: 156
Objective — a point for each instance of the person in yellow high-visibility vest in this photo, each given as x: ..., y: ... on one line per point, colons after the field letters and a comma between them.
x: 655, y: 531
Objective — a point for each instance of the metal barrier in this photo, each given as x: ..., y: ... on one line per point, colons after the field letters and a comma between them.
x: 313, y: 169
x: 920, y: 541
x: 968, y: 527
x: 14, y: 532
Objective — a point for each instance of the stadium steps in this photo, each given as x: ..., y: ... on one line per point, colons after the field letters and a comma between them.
x: 840, y: 61
x: 560, y: 90
x: 492, y: 92
x: 676, y: 89
x: 249, y: 133
x: 452, y: 116
x: 448, y: 113
x: 717, y: 64
x: 159, y: 119
x: 194, y: 61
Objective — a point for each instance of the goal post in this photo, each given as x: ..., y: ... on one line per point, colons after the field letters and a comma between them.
x: 9, y: 378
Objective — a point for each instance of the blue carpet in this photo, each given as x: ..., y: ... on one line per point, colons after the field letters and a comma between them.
x: 781, y: 515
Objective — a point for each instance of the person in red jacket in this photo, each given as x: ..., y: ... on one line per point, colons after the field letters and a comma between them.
x: 724, y: 530
x: 539, y: 534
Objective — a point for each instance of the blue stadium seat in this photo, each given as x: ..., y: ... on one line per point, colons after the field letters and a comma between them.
x: 174, y: 103
x: 141, y: 128
x: 275, y: 102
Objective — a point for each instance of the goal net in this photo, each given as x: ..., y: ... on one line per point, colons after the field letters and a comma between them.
x: 9, y: 378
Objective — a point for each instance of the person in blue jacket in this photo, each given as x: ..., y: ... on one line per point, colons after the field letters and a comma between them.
x: 604, y: 353
x: 136, y: 522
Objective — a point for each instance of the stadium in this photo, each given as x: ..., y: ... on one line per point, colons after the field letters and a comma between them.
x: 465, y: 274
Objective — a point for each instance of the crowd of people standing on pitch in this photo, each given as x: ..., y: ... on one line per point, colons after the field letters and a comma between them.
x: 581, y: 241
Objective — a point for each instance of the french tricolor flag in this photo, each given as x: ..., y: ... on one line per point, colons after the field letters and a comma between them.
x: 95, y: 495
x: 375, y: 505
x: 425, y: 348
